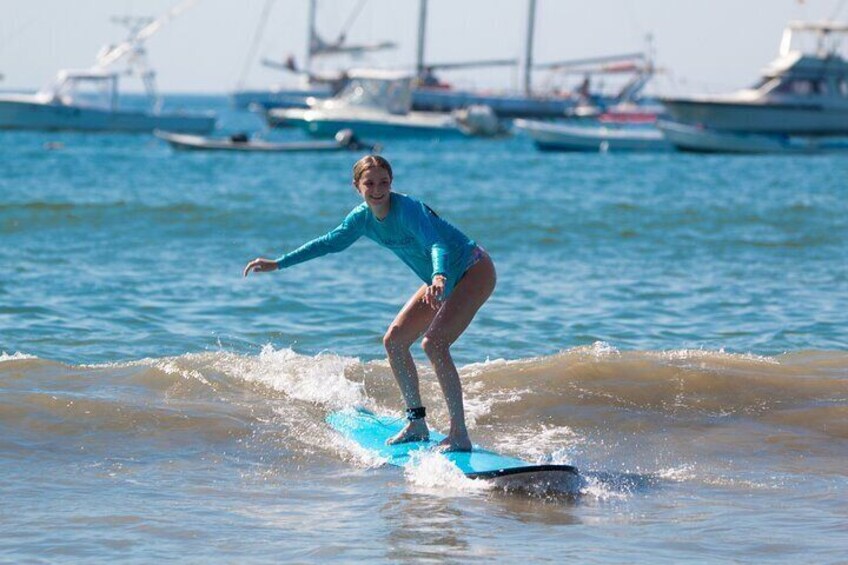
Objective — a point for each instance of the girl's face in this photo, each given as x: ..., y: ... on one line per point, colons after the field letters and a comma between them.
x: 374, y: 185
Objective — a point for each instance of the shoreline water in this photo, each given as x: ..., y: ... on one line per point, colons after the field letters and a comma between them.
x: 227, y: 456
x: 673, y: 325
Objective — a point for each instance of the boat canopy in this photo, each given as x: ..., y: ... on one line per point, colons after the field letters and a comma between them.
x: 823, y: 32
x: 385, y: 90
x: 100, y: 87
x: 819, y: 27
x: 85, y: 74
x: 380, y: 74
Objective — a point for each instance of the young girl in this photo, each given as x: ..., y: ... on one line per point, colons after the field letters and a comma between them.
x: 458, y: 278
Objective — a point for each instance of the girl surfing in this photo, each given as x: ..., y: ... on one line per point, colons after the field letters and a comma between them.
x: 458, y: 276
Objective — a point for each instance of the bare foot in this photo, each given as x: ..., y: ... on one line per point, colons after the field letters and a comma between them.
x: 454, y: 444
x: 416, y: 430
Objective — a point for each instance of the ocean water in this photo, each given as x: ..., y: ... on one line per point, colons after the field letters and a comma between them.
x: 674, y: 325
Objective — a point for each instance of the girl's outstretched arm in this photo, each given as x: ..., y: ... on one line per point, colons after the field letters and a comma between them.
x: 337, y: 240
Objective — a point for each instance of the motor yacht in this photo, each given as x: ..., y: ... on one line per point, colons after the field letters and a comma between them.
x: 800, y: 92
x: 88, y: 99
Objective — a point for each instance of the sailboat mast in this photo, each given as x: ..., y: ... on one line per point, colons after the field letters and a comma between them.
x: 310, y: 36
x: 528, y: 48
x: 422, y: 31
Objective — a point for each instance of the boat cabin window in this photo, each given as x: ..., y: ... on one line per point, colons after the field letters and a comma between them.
x: 761, y: 83
x: 90, y: 92
x: 801, y: 87
x: 393, y: 96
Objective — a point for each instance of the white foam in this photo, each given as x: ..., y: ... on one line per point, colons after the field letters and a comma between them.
x: 17, y: 356
x: 677, y: 474
x: 476, y: 404
x: 171, y: 367
x: 433, y: 472
x: 536, y: 444
x: 318, y: 379
x: 356, y: 454
x: 602, y: 349
x: 705, y: 355
x: 477, y: 369
x: 600, y: 489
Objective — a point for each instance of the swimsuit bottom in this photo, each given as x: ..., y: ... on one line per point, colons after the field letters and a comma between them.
x: 476, y: 255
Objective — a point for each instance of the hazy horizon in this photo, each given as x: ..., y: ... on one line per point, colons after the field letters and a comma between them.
x: 701, y: 45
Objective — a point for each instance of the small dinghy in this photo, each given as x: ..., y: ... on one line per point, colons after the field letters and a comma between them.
x: 549, y: 136
x: 345, y: 140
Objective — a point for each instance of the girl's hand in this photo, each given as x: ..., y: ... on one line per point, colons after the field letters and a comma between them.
x: 260, y: 265
x: 435, y: 294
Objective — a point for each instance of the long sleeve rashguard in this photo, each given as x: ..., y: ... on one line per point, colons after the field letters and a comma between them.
x: 426, y: 243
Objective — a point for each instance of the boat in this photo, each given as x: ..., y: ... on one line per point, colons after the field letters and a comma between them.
x: 313, y: 84
x: 87, y: 99
x: 430, y: 94
x: 377, y: 104
x: 433, y: 95
x: 698, y: 139
x: 345, y: 140
x: 799, y: 94
x: 550, y: 136
x: 581, y: 102
x: 60, y: 109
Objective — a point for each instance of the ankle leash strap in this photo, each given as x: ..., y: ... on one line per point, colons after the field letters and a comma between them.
x: 416, y: 413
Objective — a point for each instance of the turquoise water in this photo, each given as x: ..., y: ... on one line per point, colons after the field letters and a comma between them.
x: 676, y: 325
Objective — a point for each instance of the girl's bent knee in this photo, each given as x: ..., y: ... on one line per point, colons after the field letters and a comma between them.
x: 434, y: 346
x: 392, y: 340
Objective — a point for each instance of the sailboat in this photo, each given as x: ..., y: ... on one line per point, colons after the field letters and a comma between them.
x: 435, y: 96
x: 87, y: 99
x: 314, y: 84
x: 377, y: 104
x: 429, y: 94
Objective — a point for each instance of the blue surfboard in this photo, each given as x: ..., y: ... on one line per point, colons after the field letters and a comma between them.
x: 371, y: 431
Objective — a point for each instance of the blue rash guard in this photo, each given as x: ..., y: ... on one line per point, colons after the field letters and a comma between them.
x: 427, y: 244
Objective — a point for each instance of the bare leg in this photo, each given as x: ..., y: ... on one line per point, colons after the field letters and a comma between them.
x: 451, y: 320
x: 406, y: 328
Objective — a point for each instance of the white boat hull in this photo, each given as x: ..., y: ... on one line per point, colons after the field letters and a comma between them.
x: 761, y: 117
x: 701, y: 140
x: 372, y: 125
x: 564, y: 137
x: 31, y: 115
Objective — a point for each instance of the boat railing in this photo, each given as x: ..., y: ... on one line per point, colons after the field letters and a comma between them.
x: 828, y: 36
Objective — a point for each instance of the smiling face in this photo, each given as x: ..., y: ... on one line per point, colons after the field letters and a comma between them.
x: 375, y: 186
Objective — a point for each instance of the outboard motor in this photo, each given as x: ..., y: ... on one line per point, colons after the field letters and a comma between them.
x: 479, y: 119
x: 346, y: 138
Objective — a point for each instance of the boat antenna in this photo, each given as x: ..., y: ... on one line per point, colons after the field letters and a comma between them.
x: 528, y: 48
x: 318, y: 47
x: 422, y: 35
x: 139, y: 34
x: 350, y: 21
x: 257, y: 37
x: 133, y: 47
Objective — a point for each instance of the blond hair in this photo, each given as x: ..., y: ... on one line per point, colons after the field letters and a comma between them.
x: 370, y: 162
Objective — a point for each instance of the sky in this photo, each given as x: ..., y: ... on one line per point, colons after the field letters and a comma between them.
x: 700, y: 45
